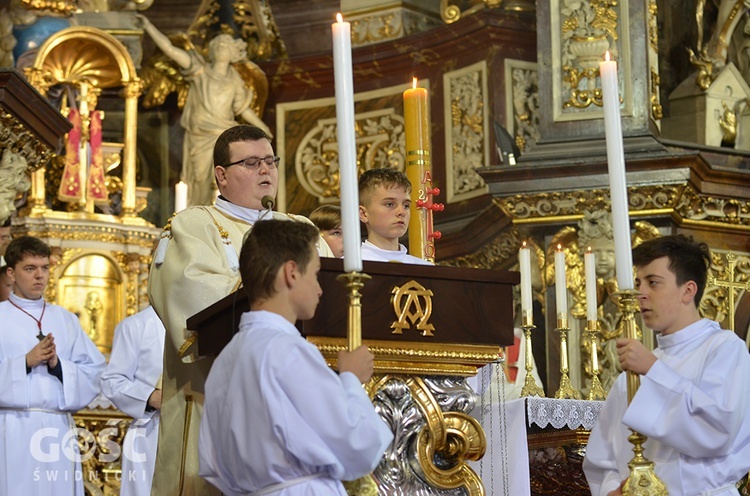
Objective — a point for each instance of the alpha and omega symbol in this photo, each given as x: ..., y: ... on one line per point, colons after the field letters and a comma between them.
x: 412, y: 304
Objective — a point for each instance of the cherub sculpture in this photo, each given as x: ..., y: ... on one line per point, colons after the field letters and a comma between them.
x: 13, y: 180
x: 215, y: 87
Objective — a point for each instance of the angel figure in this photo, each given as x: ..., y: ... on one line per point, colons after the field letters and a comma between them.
x: 217, y: 93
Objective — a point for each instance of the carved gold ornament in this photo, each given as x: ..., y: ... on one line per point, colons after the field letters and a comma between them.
x: 454, y: 436
x: 466, y: 130
x: 588, y: 29
x: 412, y: 304
x: 379, y: 140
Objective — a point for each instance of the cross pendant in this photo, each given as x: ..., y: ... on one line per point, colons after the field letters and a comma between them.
x: 40, y: 336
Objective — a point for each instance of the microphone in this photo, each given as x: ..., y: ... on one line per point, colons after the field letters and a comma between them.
x: 268, y: 202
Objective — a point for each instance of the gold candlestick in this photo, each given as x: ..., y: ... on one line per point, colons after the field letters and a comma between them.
x: 643, y: 480
x: 354, y: 282
x: 565, y: 391
x: 596, y: 392
x: 530, y: 387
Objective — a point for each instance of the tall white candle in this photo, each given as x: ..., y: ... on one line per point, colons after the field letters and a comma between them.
x: 180, y: 196
x: 589, y: 260
x: 561, y: 286
x: 524, y: 262
x: 616, y: 164
x: 344, y: 82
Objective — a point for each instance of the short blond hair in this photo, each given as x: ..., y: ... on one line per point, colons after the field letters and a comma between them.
x: 385, y: 177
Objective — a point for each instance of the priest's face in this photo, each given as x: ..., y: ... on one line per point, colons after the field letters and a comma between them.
x: 30, y: 277
x: 244, y: 185
x: 665, y: 305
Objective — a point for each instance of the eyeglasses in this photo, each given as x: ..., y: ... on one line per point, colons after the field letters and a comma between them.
x: 253, y: 163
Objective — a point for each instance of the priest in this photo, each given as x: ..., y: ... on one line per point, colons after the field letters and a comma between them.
x: 196, y: 264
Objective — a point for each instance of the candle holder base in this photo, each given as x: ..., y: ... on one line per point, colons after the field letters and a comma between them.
x: 643, y: 480
x: 596, y: 392
x: 566, y: 390
x: 530, y: 387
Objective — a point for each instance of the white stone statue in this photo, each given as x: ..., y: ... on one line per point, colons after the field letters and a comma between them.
x: 13, y: 180
x: 217, y: 95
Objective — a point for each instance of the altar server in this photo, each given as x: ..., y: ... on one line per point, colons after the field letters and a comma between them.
x: 277, y: 419
x: 132, y: 382
x: 49, y: 368
x: 195, y: 265
x: 694, y: 395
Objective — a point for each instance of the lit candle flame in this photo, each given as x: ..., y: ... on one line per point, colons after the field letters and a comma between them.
x: 414, y: 82
x: 523, y: 245
x: 606, y: 54
x: 588, y: 250
x: 559, y: 247
x: 341, y: 19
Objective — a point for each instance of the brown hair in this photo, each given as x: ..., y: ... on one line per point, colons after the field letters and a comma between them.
x: 268, y: 246
x: 688, y: 259
x: 388, y: 178
x: 326, y: 217
x: 25, y: 245
x: 235, y: 134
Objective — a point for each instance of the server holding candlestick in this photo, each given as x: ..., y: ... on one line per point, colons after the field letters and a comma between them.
x: 353, y: 278
x: 565, y: 390
x: 643, y: 480
x: 596, y: 392
x: 530, y: 387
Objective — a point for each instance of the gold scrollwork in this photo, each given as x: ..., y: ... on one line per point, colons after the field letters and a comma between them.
x: 496, y: 253
x: 451, y: 10
x: 17, y: 138
x: 656, y: 108
x: 380, y: 143
x: 588, y: 29
x: 64, y: 7
x: 455, y: 436
x: 417, y: 308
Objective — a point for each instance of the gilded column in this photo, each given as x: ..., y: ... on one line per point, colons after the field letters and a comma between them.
x: 132, y: 91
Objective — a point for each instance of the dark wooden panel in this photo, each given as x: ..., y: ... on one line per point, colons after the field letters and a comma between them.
x: 470, y: 306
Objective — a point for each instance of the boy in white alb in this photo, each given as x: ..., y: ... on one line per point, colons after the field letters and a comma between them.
x: 384, y: 209
x: 694, y: 395
x: 132, y: 382
x: 49, y: 368
x: 277, y: 420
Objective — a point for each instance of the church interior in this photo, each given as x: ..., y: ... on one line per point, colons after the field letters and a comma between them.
x: 93, y: 144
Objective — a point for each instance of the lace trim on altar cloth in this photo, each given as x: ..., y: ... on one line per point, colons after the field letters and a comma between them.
x: 572, y: 414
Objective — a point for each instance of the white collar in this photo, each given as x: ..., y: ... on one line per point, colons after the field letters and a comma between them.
x: 249, y: 215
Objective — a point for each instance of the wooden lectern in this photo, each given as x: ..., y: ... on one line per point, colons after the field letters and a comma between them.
x: 429, y: 328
